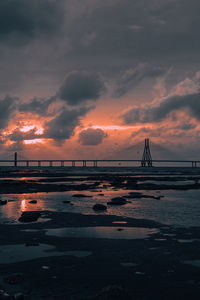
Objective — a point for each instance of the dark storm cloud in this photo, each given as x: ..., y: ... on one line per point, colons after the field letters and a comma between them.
x: 157, y: 113
x: 81, y: 86
x: 7, y: 108
x: 133, y: 76
x: 91, y: 137
x: 22, y: 20
x: 106, y: 36
x: 18, y: 135
x: 126, y: 31
x: 62, y: 126
x: 39, y: 106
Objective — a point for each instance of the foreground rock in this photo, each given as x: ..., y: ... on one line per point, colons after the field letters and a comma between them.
x: 14, y: 278
x: 4, y: 295
x: 117, y: 201
x: 111, y: 292
x: 29, y: 216
x: 99, y: 207
x: 3, y: 202
x: 33, y: 201
x: 81, y: 196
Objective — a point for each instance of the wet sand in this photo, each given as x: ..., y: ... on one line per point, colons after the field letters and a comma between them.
x: 162, y: 265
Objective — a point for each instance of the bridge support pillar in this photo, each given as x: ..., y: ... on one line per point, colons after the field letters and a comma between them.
x: 39, y: 163
x: 62, y: 163
x: 146, y: 158
x: 95, y: 163
x: 15, y: 159
x: 73, y: 163
x: 84, y: 163
x: 50, y: 163
x: 27, y: 163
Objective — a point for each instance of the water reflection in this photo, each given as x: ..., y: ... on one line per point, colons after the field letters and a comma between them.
x: 181, y: 208
x: 102, y: 232
x: 18, y: 253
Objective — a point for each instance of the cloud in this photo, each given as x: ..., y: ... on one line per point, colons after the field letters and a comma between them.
x: 7, y: 108
x: 156, y: 113
x: 135, y: 75
x: 36, y: 105
x: 91, y: 137
x: 81, y: 86
x: 63, y: 125
x: 18, y: 135
x: 23, y: 20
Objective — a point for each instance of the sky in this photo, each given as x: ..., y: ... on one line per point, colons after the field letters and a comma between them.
x: 91, y: 79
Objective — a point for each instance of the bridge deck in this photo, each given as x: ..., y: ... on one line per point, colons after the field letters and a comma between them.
x: 86, y: 162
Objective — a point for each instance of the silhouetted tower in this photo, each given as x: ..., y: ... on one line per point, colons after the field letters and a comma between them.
x: 146, y: 158
x: 15, y: 159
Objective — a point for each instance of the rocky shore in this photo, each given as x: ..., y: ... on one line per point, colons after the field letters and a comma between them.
x: 52, y: 255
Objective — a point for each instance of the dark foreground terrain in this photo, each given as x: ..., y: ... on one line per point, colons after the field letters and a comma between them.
x: 165, y: 264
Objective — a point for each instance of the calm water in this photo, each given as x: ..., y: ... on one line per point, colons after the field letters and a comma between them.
x: 181, y: 208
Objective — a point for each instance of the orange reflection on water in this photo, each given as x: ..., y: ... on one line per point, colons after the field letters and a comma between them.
x: 23, y: 205
x: 20, y: 202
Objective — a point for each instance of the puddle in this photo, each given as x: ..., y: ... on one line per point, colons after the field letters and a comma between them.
x: 169, y: 234
x: 102, y: 232
x: 19, y: 253
x: 195, y: 263
x: 187, y: 241
x: 128, y: 264
x: 30, y: 230
x: 119, y: 222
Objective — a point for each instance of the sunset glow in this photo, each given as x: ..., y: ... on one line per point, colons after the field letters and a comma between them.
x: 37, y: 129
x: 34, y: 141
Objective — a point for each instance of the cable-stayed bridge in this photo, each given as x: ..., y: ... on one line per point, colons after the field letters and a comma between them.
x: 17, y: 160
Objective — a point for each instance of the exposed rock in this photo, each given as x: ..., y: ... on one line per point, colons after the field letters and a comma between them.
x: 3, y: 202
x: 33, y: 201
x: 29, y: 216
x: 81, y: 195
x: 99, y: 206
x: 100, y: 194
x: 66, y: 201
x: 111, y: 292
x: 32, y: 244
x: 117, y: 201
x: 4, y: 295
x: 14, y: 278
x: 19, y: 296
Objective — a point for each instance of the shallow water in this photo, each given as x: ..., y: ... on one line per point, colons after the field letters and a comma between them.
x: 18, y: 253
x: 103, y: 232
x: 180, y: 208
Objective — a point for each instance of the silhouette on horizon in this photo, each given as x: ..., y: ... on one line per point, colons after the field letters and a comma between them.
x: 146, y: 158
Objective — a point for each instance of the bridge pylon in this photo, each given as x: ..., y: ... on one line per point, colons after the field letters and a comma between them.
x: 146, y: 158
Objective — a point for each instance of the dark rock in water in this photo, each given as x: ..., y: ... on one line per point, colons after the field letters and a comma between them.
x: 66, y: 201
x: 99, y: 207
x: 14, y: 278
x: 31, y: 244
x: 111, y: 292
x: 19, y: 296
x: 30, y: 216
x: 3, y: 202
x: 117, y: 201
x: 101, y: 194
x: 33, y: 201
x: 134, y: 195
x: 81, y: 195
x: 4, y: 295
